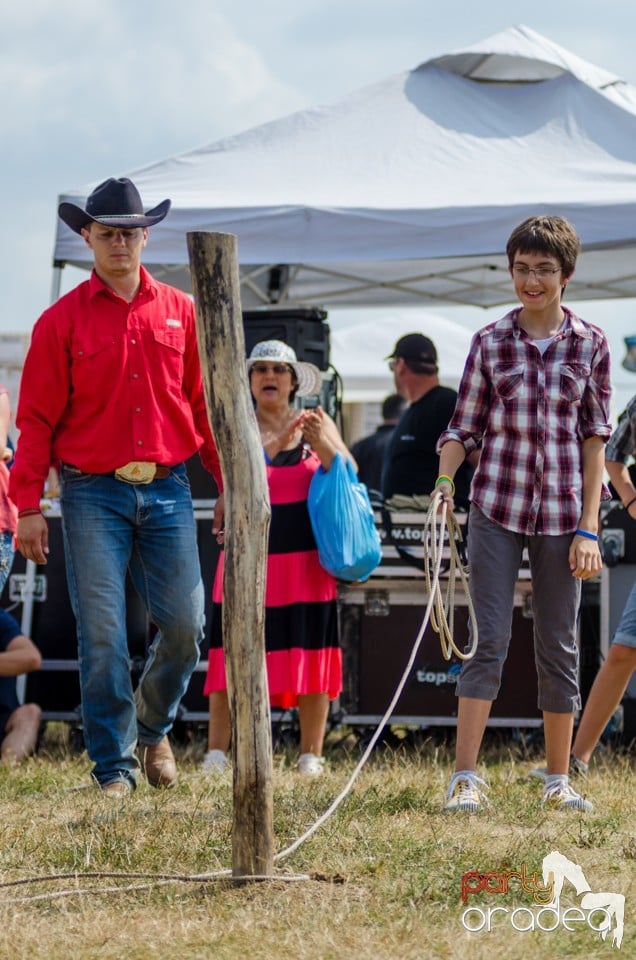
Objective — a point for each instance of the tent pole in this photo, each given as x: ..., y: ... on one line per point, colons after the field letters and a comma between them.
x: 56, y: 283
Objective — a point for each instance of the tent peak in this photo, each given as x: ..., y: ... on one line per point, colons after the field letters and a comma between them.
x: 520, y: 55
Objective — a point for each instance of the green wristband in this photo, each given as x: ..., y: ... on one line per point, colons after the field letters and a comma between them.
x: 444, y: 479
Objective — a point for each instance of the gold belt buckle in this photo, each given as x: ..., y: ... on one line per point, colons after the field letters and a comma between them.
x: 137, y: 471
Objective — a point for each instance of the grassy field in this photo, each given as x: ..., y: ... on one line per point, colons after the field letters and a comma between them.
x: 384, y: 873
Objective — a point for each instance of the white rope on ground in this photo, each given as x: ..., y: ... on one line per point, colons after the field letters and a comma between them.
x: 157, y: 880
x: 435, y: 542
x: 439, y: 611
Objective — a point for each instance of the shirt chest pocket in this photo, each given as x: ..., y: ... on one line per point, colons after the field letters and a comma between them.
x: 573, y: 378
x: 507, y: 380
x: 94, y: 364
x: 168, y: 346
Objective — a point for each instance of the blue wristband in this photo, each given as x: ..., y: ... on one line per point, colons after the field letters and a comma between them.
x: 586, y: 534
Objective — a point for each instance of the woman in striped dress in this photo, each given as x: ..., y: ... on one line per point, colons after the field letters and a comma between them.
x: 304, y: 662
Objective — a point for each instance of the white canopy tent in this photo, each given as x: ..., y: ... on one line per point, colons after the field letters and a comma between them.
x: 404, y: 193
x: 358, y: 350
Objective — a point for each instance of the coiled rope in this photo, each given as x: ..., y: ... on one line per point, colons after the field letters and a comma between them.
x: 443, y: 604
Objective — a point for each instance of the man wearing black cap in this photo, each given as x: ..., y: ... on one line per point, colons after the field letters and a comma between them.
x: 411, y: 463
x: 111, y: 389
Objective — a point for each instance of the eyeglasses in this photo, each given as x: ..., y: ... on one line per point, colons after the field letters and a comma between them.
x: 541, y: 273
x: 279, y: 368
x: 392, y: 364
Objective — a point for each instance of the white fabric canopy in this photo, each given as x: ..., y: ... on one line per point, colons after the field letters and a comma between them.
x: 358, y: 350
x: 405, y: 192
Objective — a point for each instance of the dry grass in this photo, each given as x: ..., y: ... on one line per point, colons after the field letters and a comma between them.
x: 385, y: 870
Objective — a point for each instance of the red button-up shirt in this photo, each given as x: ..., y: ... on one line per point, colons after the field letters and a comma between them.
x: 106, y: 382
x: 532, y: 412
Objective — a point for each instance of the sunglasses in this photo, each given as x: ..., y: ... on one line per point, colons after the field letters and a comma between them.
x: 279, y: 368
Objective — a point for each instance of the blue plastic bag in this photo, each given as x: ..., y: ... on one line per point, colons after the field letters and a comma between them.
x: 342, y: 520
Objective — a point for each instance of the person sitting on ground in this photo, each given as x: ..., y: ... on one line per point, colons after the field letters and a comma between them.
x: 370, y: 452
x: 303, y: 656
x: 19, y: 723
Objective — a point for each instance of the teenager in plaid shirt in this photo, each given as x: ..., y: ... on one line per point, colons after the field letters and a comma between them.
x: 535, y: 395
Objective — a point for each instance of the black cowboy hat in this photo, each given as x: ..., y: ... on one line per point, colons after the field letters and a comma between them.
x: 115, y: 203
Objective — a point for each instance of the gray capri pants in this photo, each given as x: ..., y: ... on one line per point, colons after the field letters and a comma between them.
x: 494, y: 555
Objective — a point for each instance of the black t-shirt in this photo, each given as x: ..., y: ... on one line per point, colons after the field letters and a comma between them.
x: 369, y: 453
x: 411, y: 465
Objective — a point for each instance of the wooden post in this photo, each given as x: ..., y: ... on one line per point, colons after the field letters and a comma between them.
x: 215, y: 279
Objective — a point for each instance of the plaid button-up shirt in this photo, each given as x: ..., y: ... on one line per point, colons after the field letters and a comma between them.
x: 622, y: 444
x: 531, y: 413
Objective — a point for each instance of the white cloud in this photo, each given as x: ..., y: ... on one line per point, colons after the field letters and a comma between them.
x: 93, y: 89
x: 186, y: 72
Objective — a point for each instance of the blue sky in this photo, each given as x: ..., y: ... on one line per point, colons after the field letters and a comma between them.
x: 92, y: 90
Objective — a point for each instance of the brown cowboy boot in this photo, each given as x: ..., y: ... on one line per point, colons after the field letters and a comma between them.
x: 158, y: 763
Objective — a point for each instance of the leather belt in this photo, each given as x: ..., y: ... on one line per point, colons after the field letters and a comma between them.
x: 137, y: 471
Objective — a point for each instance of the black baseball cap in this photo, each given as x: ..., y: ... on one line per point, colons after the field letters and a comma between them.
x: 415, y: 347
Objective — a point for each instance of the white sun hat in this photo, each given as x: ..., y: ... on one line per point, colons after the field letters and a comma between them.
x: 275, y: 351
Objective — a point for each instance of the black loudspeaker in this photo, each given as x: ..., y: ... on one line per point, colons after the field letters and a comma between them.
x: 304, y: 329
x: 618, y: 540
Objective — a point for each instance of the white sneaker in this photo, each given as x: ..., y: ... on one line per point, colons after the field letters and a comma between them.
x: 215, y: 761
x: 463, y: 794
x: 309, y: 765
x: 564, y: 797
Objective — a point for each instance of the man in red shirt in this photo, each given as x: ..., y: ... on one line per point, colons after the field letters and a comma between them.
x: 111, y: 389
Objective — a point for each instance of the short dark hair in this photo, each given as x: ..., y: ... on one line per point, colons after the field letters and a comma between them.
x: 553, y: 236
x: 392, y: 406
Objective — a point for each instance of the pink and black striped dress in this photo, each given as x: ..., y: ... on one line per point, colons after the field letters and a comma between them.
x: 301, y: 629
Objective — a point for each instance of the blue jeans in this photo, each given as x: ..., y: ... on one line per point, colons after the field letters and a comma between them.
x: 111, y: 527
x: 625, y: 634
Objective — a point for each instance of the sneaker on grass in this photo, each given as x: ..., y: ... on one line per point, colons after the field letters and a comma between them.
x: 464, y: 794
x: 561, y: 796
x: 309, y: 765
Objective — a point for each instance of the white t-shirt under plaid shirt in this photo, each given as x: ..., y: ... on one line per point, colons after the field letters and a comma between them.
x: 531, y: 414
